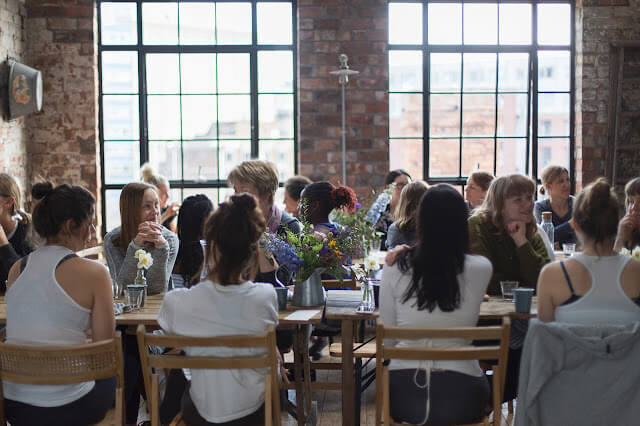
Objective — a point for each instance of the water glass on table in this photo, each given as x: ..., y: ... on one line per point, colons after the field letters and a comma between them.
x: 134, y: 295
x: 507, y: 288
x: 568, y: 249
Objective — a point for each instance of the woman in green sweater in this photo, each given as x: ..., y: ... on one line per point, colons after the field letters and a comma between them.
x: 504, y: 230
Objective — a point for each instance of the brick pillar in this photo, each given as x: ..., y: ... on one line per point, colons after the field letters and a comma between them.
x: 64, y: 136
x: 13, y: 143
x: 358, y: 29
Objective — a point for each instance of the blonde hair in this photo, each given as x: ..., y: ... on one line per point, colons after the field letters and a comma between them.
x: 409, y: 201
x: 500, y: 189
x: 632, y: 188
x: 10, y: 188
x: 262, y: 175
x: 550, y: 174
x: 150, y: 176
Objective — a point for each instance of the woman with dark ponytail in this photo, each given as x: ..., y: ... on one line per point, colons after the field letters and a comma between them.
x: 597, y: 286
x: 15, y: 227
x: 55, y: 297
x: 320, y: 198
x: 226, y: 303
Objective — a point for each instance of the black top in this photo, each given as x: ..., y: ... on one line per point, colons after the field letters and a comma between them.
x: 563, y: 232
x: 19, y: 246
x: 168, y: 221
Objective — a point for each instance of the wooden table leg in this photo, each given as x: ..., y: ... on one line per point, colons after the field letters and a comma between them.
x: 348, y: 384
x: 306, y: 362
x: 298, y: 354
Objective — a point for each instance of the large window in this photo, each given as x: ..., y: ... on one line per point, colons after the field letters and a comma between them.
x: 480, y: 84
x: 194, y: 87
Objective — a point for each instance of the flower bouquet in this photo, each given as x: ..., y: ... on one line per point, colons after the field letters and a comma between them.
x: 635, y: 253
x: 364, y: 275
x: 137, y: 293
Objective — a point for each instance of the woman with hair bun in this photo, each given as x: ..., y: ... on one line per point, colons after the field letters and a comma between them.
x: 228, y: 302
x: 168, y: 212
x: 556, y: 184
x: 56, y: 298
x: 597, y: 286
x: 15, y: 227
x: 320, y: 198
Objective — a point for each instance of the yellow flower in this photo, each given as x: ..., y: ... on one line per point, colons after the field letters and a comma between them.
x: 332, y: 244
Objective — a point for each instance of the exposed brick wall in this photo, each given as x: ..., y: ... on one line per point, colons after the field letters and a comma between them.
x: 13, y: 146
x: 64, y: 136
x: 599, y: 23
x: 327, y: 28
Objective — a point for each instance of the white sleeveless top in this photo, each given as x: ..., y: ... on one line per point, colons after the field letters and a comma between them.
x: 41, y: 313
x: 605, y: 302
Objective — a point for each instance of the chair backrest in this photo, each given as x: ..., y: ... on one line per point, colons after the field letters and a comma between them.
x: 175, y: 360
x: 460, y: 353
x: 59, y: 365
x: 96, y: 252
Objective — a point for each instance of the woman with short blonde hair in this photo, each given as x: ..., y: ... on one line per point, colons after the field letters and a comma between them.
x: 629, y: 227
x: 403, y: 230
x: 556, y: 183
x: 16, y: 238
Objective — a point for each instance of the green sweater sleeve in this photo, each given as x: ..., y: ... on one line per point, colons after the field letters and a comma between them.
x: 532, y: 257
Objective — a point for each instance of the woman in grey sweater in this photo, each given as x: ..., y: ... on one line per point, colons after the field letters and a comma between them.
x: 139, y: 213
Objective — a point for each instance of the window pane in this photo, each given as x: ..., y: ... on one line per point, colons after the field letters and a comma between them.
x: 200, y: 160
x: 275, y: 71
x: 445, y: 72
x: 405, y: 23
x: 119, y: 72
x: 511, y: 156
x: 275, y: 113
x: 164, y: 156
x: 480, y: 23
x: 199, y: 117
x: 512, y: 114
x: 164, y: 117
x: 554, y: 24
x: 478, y: 115
x: 234, y: 115
x: 513, y: 72
x: 553, y: 151
x: 515, y: 24
x: 120, y: 117
x: 198, y: 72
x: 554, y: 71
x: 118, y: 23
x: 553, y: 114
x: 444, y: 115
x: 231, y: 154
x: 162, y: 73
x: 274, y: 23
x: 160, y: 23
x: 445, y: 23
x: 123, y: 158
x: 405, y: 115
x: 196, y: 23
x: 444, y: 157
x: 477, y: 154
x: 281, y: 154
x: 479, y: 72
x: 112, y: 208
x: 406, y: 154
x: 233, y: 73
x: 405, y: 70
x: 210, y: 193
x: 233, y: 23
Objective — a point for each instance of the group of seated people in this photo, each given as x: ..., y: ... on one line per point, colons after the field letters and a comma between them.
x: 447, y: 253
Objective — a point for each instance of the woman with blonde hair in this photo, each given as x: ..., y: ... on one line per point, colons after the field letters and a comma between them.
x: 403, y: 230
x: 597, y: 286
x: 504, y: 230
x: 629, y: 227
x: 168, y: 212
x: 15, y: 227
x: 556, y: 183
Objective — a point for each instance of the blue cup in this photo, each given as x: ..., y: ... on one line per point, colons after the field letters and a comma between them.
x: 281, y: 292
x: 522, y: 298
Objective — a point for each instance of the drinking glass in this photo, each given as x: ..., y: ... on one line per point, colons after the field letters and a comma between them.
x: 568, y: 249
x: 507, y: 288
x: 134, y: 295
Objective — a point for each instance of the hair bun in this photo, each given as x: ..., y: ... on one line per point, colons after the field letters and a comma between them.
x: 244, y: 201
x: 41, y: 190
x: 343, y: 196
x: 600, y: 194
x: 147, y: 172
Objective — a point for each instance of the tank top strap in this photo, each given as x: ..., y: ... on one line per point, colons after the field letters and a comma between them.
x: 566, y: 276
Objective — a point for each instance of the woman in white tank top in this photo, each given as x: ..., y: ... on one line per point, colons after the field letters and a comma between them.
x: 56, y: 298
x: 598, y: 286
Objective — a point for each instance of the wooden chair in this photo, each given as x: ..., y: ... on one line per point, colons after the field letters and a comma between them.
x: 61, y: 365
x: 469, y: 352
x: 96, y: 252
x: 173, y: 360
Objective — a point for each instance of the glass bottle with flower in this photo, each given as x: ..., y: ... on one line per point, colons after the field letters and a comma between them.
x: 145, y: 260
x: 365, y: 275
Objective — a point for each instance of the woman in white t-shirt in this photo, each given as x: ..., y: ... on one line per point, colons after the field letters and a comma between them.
x: 226, y: 303
x: 436, y: 284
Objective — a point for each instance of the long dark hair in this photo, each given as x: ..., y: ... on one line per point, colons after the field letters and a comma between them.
x: 438, y: 258
x: 193, y: 212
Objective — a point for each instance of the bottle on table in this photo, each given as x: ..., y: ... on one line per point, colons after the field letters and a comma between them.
x: 547, y: 225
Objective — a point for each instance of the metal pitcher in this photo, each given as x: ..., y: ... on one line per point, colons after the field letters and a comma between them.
x: 310, y: 291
